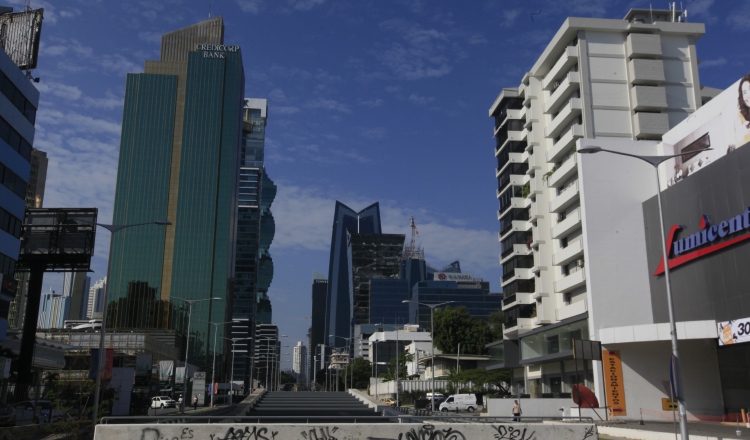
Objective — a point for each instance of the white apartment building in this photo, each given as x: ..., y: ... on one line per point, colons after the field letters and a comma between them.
x: 299, y: 362
x: 629, y: 79
x: 96, y: 296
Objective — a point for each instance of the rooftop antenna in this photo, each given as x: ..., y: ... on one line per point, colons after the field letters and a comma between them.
x: 651, y: 8
x: 28, y: 5
x: 413, y: 251
x: 209, y: 10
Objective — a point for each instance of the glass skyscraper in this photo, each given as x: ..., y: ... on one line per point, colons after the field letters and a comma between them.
x: 339, y: 304
x: 179, y: 161
x: 253, y: 266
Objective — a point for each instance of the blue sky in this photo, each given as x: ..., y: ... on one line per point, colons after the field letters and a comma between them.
x: 369, y: 101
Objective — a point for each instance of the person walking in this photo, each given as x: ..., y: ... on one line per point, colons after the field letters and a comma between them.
x: 516, y: 411
x: 179, y: 404
x: 195, y: 402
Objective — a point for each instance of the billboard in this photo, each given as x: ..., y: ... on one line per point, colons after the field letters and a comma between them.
x: 723, y: 125
x: 446, y: 276
x: 734, y: 332
x: 19, y: 36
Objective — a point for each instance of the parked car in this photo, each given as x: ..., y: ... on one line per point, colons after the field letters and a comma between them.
x: 7, y: 416
x: 460, y: 402
x: 27, y: 413
x: 387, y: 401
x: 163, y: 402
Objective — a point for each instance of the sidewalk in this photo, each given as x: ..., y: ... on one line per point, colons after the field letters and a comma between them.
x: 665, y: 431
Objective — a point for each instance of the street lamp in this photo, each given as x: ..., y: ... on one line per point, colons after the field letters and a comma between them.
x: 213, y: 367
x: 655, y: 161
x: 351, y: 372
x: 190, y: 303
x: 277, y: 365
x: 231, y: 378
x: 432, y: 338
x: 113, y: 229
x: 375, y: 364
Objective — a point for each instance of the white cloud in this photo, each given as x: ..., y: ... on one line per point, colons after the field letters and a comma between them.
x: 277, y: 95
x: 739, y: 19
x: 713, y: 63
x: 151, y: 37
x: 69, y: 93
x: 425, y: 53
x: 284, y: 110
x: 372, y: 103
x: 420, y: 100
x: 376, y: 133
x: 305, y: 5
x: 72, y: 122
x: 328, y: 104
x: 251, y: 6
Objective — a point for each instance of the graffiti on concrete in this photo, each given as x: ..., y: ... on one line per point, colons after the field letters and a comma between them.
x: 427, y: 432
x: 326, y: 433
x: 506, y: 432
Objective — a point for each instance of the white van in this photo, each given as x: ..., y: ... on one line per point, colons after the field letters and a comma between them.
x: 460, y: 402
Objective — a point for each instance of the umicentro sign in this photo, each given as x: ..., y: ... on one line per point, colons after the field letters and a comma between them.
x: 700, y: 244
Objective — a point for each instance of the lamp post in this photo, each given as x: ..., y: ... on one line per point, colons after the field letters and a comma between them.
x: 655, y: 161
x: 231, y: 379
x: 348, y: 357
x: 213, y: 366
x: 190, y: 303
x: 432, y: 339
x: 277, y: 365
x: 375, y: 366
x: 113, y: 229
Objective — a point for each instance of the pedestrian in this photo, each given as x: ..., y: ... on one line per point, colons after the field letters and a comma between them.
x: 179, y: 404
x: 516, y: 411
x: 195, y: 402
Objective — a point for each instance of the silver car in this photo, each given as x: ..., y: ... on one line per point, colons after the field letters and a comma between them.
x: 162, y: 402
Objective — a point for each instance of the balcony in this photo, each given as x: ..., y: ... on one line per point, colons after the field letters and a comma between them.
x: 516, y: 250
x: 643, y: 46
x: 571, y: 310
x: 512, y: 158
x: 563, y: 172
x: 567, y: 113
x: 566, y: 143
x: 646, y: 72
x: 517, y: 299
x: 570, y: 83
x: 515, y: 203
x: 648, y: 98
x: 565, y: 227
x: 516, y: 226
x: 520, y: 325
x: 566, y: 198
x: 536, y: 187
x: 518, y: 179
x: 570, y: 282
x: 567, y: 60
x: 535, y: 238
x: 565, y: 255
x: 650, y: 125
x: 517, y: 274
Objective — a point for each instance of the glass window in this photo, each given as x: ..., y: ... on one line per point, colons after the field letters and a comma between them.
x: 557, y: 340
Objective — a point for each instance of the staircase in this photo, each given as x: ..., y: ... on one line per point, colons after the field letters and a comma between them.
x: 310, y: 406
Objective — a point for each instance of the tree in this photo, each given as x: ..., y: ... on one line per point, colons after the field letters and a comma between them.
x: 358, y: 372
x: 454, y: 326
x: 496, y: 321
x: 403, y: 359
x: 480, y: 378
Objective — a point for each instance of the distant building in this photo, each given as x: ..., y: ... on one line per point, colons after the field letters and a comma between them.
x: 267, y: 353
x: 76, y: 286
x: 299, y: 363
x: 96, y: 296
x: 54, y: 309
x: 318, y: 322
x: 474, y: 295
x: 338, y: 301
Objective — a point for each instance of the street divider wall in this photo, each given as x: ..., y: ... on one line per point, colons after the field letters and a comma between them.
x: 351, y: 431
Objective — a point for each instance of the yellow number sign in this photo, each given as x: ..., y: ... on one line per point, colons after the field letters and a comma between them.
x: 614, y: 387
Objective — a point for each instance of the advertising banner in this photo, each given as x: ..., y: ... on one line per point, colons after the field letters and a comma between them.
x: 166, y: 371
x: 614, y: 386
x: 445, y: 276
x: 734, y: 332
x: 723, y: 125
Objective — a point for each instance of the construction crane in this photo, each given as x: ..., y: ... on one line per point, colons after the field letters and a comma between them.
x: 413, y: 251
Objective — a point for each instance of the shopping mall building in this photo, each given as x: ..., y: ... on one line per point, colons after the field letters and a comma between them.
x: 580, y: 233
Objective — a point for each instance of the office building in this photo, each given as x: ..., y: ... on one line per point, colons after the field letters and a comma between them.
x: 96, y: 296
x: 54, y: 309
x: 299, y: 363
x: 372, y: 257
x: 19, y: 100
x: 338, y: 302
x: 319, y: 293
x: 474, y: 295
x: 579, y: 234
x: 76, y: 285
x: 253, y: 265
x: 179, y: 161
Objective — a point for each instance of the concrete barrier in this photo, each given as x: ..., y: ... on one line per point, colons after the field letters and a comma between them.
x: 396, y: 431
